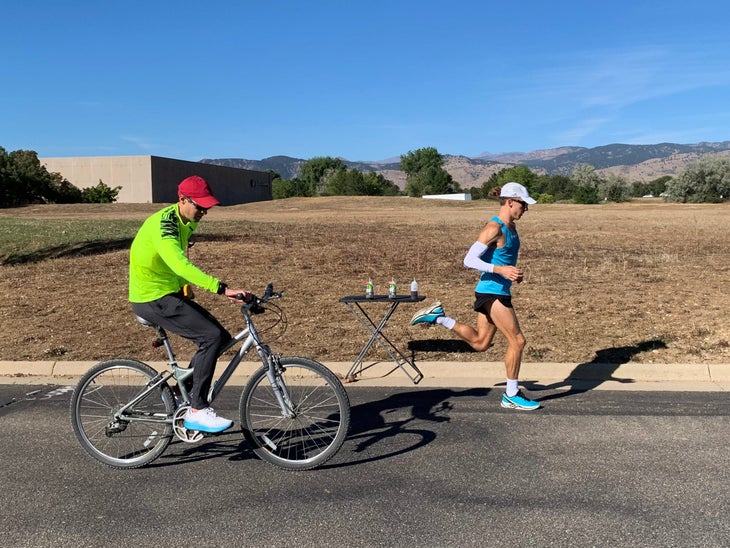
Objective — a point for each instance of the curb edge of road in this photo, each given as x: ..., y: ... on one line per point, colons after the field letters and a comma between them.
x: 444, y: 373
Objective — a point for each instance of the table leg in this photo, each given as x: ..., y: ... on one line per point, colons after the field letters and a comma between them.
x: 377, y: 335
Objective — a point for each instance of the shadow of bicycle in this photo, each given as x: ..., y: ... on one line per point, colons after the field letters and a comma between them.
x: 379, y: 429
x: 398, y: 424
x: 230, y: 446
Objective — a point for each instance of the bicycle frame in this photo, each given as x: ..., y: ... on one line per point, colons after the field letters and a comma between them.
x: 249, y: 337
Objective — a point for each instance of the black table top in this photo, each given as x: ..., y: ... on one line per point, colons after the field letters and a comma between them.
x: 381, y: 299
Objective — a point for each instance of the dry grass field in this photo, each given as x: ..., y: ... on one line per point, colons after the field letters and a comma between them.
x: 643, y: 281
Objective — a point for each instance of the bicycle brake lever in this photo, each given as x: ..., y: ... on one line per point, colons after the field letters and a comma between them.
x: 256, y: 308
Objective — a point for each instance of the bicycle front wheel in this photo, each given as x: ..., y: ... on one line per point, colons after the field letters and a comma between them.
x: 122, y: 439
x: 312, y: 426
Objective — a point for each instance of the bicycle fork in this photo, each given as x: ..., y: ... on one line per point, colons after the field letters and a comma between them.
x: 273, y: 373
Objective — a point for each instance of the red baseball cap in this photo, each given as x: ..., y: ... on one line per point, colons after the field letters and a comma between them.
x: 198, y: 191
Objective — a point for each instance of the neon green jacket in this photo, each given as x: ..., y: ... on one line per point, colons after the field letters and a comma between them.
x: 158, y: 265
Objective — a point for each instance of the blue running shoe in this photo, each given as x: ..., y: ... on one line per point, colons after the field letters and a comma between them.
x: 428, y: 314
x: 519, y: 401
x: 206, y: 420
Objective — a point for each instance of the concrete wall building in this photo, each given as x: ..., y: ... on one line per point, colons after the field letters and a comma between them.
x: 153, y: 179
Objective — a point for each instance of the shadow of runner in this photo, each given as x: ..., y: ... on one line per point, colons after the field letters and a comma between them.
x: 439, y: 345
x: 386, y: 428
x: 589, y: 375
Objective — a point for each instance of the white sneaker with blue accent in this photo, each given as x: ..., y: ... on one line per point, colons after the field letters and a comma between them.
x: 519, y: 401
x: 205, y: 420
x: 428, y: 314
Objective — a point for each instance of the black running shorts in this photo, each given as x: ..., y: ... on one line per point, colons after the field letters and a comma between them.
x: 483, y: 302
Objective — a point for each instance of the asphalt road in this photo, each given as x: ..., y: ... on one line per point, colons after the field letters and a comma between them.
x: 422, y: 467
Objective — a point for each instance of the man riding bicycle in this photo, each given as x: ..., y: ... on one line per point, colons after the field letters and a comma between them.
x: 159, y: 272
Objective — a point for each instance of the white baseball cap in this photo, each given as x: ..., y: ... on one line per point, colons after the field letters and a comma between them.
x: 516, y: 190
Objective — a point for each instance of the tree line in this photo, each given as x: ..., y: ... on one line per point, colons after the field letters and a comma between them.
x: 705, y: 180
x: 23, y: 180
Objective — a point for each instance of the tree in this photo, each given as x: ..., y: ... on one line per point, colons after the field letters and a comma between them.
x: 517, y: 174
x: 657, y: 187
x: 65, y: 192
x: 288, y: 188
x: 24, y: 180
x: 313, y: 172
x: 418, y: 160
x: 425, y: 173
x: 377, y: 185
x: 614, y: 189
x: 100, y: 194
x: 586, y: 195
x: 431, y: 180
x: 475, y: 192
x: 706, y: 180
x: 586, y: 180
x: 559, y: 187
x: 341, y: 182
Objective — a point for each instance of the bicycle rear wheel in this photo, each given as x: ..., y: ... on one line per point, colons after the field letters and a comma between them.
x: 319, y: 421
x: 141, y: 433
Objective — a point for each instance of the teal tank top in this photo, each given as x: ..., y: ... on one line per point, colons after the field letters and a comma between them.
x: 491, y: 283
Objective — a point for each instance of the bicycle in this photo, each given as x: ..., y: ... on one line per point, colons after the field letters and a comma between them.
x: 295, y: 412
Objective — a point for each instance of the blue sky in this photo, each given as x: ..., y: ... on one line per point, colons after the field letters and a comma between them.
x: 361, y: 80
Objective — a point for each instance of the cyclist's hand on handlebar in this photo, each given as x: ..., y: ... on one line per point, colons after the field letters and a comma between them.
x: 239, y: 295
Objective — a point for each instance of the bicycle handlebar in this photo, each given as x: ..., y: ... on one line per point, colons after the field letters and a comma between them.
x: 253, y: 305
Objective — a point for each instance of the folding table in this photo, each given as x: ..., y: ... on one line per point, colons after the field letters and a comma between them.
x: 355, y: 306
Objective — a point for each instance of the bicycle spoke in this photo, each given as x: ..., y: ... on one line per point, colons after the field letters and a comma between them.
x: 122, y: 439
x: 319, y: 415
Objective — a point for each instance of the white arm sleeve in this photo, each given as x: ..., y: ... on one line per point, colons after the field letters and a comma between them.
x: 472, y: 259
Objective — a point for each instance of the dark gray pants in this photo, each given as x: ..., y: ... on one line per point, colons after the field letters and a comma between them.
x: 193, y: 322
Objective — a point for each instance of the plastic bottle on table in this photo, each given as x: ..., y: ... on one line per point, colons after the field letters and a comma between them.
x: 369, y: 290
x: 392, y: 289
x: 414, y: 289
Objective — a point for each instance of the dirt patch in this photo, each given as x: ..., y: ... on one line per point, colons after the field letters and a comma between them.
x: 642, y: 282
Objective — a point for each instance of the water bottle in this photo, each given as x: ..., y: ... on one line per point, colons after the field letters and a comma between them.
x: 369, y: 289
x: 392, y: 289
x: 414, y: 289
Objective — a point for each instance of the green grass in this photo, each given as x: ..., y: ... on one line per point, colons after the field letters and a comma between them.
x: 32, y: 240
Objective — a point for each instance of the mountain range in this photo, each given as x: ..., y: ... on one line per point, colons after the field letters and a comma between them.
x: 633, y: 162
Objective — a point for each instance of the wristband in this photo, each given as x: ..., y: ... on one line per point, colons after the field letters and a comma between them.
x: 221, y: 288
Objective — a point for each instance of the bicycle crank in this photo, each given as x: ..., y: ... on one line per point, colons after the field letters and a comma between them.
x: 178, y: 426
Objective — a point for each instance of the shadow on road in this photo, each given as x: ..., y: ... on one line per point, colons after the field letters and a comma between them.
x: 379, y: 429
x: 590, y: 375
x: 398, y: 424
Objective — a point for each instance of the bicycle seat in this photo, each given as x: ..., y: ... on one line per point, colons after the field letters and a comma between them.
x: 144, y: 322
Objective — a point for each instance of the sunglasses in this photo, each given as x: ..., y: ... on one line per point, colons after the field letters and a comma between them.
x: 523, y: 204
x: 199, y: 208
